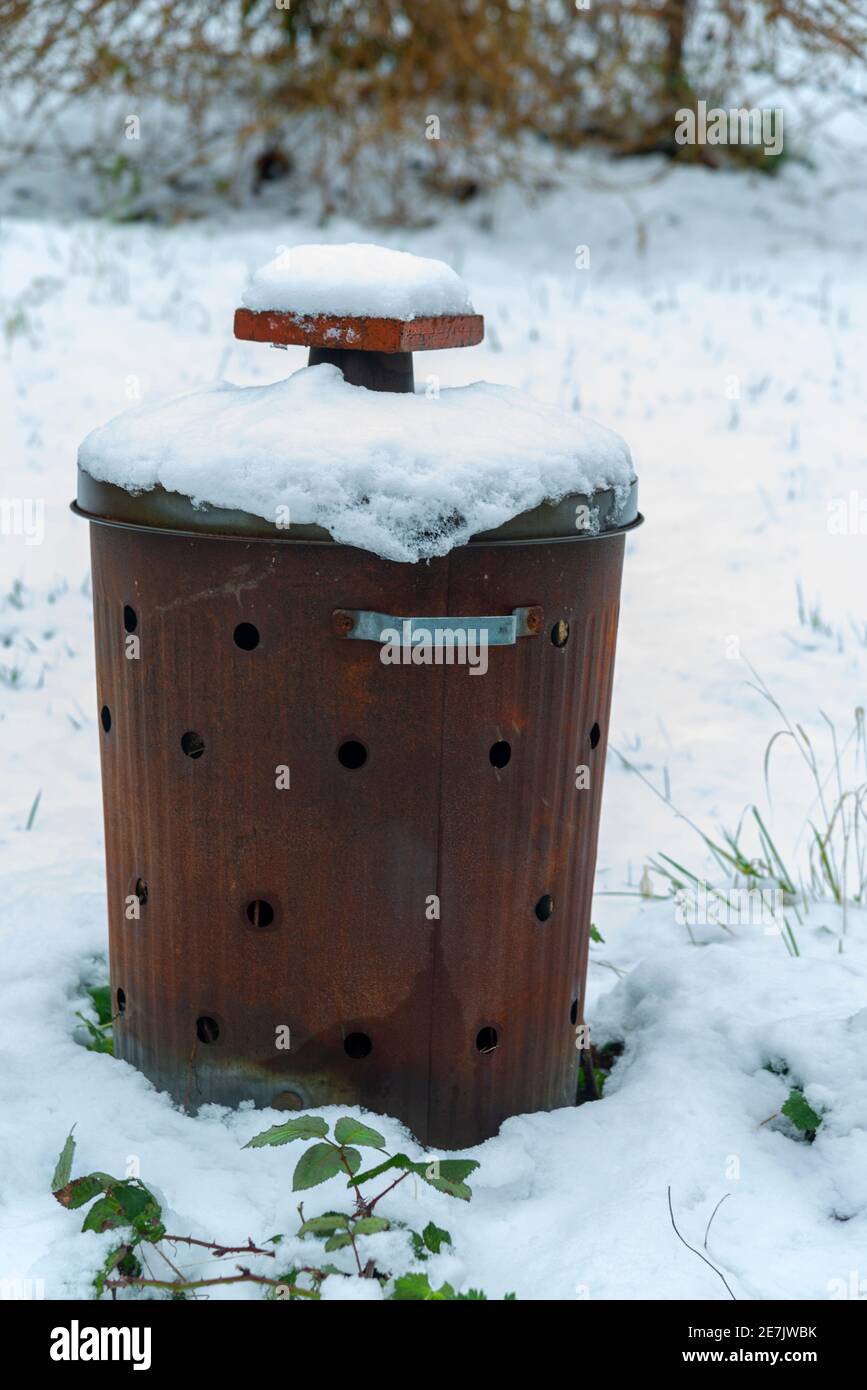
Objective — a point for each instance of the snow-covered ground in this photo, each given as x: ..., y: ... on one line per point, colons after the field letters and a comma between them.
x: 720, y: 329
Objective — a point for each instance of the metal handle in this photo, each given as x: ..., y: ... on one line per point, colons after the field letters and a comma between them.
x: 500, y: 631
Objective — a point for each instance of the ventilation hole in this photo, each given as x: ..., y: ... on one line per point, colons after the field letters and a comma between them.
x: 105, y: 716
x: 544, y: 907
x: 595, y: 735
x: 573, y: 1013
x: 260, y: 913
x: 560, y: 633
x: 121, y: 1001
x: 288, y: 1100
x: 193, y: 745
x: 207, y: 1029
x: 486, y: 1040
x: 500, y: 753
x: 352, y: 753
x: 357, y: 1045
x: 130, y: 618
x: 141, y: 891
x: 246, y: 636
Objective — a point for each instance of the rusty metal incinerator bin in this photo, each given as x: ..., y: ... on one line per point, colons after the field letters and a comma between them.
x: 330, y: 881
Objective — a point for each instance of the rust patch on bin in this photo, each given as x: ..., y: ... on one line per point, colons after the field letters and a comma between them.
x: 350, y: 857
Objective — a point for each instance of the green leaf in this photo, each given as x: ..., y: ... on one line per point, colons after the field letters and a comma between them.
x: 80, y: 1190
x: 324, y: 1225
x: 435, y: 1238
x: 417, y: 1286
x: 133, y: 1199
x: 125, y: 1204
x: 337, y: 1242
x: 149, y: 1226
x: 104, y: 1215
x: 412, y: 1286
x: 140, y: 1208
x: 302, y: 1127
x: 584, y: 1093
x: 100, y: 997
x: 419, y: 1249
x: 63, y: 1170
x: 453, y: 1169
x: 100, y: 1041
x: 447, y: 1175
x: 370, y: 1225
x: 321, y: 1162
x: 396, y: 1161
x: 451, y: 1189
x: 349, y: 1131
x: 800, y: 1112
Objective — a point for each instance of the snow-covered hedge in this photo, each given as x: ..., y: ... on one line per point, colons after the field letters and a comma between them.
x: 413, y: 96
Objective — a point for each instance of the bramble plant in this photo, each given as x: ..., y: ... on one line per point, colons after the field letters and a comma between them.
x: 99, y: 1033
x: 795, y: 1108
x: 801, y: 1113
x: 129, y: 1207
x: 117, y: 1204
x: 328, y: 1157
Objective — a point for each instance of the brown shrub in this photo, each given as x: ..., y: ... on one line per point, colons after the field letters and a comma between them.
x: 342, y: 93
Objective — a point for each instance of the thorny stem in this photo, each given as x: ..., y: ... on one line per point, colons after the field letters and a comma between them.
x: 368, y: 1206
x: 245, y: 1276
x: 363, y: 1208
x: 248, y: 1249
x: 345, y: 1162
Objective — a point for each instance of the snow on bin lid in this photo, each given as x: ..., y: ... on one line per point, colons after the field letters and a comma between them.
x: 358, y: 296
x: 403, y: 475
x: 357, y: 278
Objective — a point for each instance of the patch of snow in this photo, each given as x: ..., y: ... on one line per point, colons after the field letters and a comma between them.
x: 403, y: 475
x: 357, y: 278
x: 353, y: 1290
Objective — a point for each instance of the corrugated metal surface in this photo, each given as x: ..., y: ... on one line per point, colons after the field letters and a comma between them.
x: 512, y: 837
x: 349, y: 858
